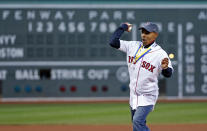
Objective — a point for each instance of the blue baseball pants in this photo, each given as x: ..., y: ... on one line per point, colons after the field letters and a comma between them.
x: 139, y: 117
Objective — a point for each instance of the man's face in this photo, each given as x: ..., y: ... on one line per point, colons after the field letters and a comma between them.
x: 148, y: 37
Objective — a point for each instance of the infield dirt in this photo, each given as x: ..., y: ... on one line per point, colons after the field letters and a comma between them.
x: 179, y: 127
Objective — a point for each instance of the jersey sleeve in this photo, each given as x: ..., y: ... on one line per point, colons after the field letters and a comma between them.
x: 126, y: 46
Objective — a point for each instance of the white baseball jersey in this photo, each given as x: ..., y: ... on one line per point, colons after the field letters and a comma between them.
x: 144, y: 72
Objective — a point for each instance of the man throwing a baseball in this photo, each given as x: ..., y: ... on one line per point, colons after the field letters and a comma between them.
x: 146, y: 60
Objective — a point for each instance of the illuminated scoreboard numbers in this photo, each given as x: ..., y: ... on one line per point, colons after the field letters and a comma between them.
x: 71, y: 27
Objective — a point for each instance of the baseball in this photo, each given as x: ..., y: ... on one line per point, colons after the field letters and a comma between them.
x: 129, y: 28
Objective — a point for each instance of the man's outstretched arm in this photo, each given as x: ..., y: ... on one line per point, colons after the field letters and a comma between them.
x: 114, y: 41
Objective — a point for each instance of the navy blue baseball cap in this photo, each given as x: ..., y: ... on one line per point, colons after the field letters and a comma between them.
x: 149, y: 26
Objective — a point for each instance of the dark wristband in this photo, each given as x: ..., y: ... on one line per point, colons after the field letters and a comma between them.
x: 167, y: 72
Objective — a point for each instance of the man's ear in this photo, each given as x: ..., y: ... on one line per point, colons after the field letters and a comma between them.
x: 155, y: 35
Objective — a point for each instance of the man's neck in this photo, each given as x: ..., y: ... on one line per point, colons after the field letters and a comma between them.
x: 148, y: 45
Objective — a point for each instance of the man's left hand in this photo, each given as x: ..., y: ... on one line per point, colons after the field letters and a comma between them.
x: 164, y: 63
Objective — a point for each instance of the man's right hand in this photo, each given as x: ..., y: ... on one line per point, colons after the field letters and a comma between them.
x: 129, y: 29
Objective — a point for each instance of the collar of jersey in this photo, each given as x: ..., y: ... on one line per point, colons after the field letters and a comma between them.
x: 153, y: 46
x: 146, y: 46
x: 139, y: 55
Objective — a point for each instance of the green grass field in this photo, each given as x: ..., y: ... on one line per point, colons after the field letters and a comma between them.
x: 93, y: 114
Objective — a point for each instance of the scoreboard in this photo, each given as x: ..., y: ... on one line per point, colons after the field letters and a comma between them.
x: 62, y: 50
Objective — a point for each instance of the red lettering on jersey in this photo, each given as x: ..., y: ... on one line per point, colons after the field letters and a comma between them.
x: 148, y: 66
x: 152, y: 68
x: 131, y: 59
x: 143, y: 64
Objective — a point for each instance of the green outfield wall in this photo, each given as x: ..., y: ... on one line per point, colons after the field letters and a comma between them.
x: 62, y: 50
